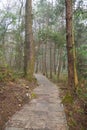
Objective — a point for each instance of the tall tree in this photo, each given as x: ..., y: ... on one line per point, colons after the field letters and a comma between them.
x: 29, y: 43
x: 72, y: 72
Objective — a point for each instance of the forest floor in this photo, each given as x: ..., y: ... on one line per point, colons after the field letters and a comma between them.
x: 75, y: 106
x: 44, y: 112
x: 13, y: 95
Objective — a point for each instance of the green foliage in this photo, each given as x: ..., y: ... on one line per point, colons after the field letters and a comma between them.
x: 49, y: 35
x: 67, y: 99
x: 7, y: 18
x: 81, y: 38
x: 82, y: 51
x: 72, y: 122
x: 33, y: 95
x: 7, y: 74
x: 45, y: 11
x: 80, y: 12
x: 82, y: 93
x: 82, y: 60
x: 62, y: 79
x: 60, y: 7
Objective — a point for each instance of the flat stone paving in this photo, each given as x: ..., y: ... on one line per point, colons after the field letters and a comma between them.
x: 45, y: 112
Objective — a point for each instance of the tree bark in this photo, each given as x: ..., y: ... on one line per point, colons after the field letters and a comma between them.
x: 54, y: 59
x: 37, y: 57
x: 60, y: 62
x: 45, y: 60
x: 72, y: 74
x: 50, y: 61
x: 29, y: 43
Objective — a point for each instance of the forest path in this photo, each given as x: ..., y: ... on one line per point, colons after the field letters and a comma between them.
x: 45, y: 112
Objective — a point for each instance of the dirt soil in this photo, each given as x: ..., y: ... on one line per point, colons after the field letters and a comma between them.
x: 76, y: 112
x: 13, y: 95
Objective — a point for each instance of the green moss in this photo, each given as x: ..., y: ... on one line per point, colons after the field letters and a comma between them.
x: 33, y: 95
x: 72, y: 122
x: 67, y: 99
x: 30, y: 72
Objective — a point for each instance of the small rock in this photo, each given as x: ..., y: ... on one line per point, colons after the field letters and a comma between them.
x: 20, y: 100
x: 27, y: 94
x: 19, y: 105
x: 27, y: 87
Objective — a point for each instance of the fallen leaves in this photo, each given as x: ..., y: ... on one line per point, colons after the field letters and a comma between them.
x: 13, y: 95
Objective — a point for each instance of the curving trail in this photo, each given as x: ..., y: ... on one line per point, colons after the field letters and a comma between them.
x: 45, y: 112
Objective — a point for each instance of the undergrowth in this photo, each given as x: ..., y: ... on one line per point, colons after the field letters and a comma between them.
x: 75, y: 105
x: 7, y: 74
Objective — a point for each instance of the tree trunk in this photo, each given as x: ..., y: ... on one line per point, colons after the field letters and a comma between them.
x: 50, y: 62
x: 45, y: 65
x: 54, y: 59
x: 42, y: 59
x: 60, y: 62
x: 29, y: 45
x: 37, y: 62
x: 37, y: 57
x: 72, y: 74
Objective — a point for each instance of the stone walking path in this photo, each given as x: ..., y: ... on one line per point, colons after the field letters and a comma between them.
x: 45, y: 112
